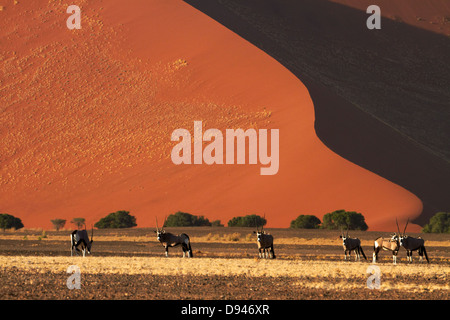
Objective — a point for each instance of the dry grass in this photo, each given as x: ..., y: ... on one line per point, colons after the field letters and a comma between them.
x: 312, y: 274
x: 307, y: 268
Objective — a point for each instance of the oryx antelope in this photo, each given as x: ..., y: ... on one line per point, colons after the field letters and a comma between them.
x: 352, y: 244
x: 79, y: 241
x: 412, y: 244
x: 170, y: 240
x: 265, y: 243
x: 389, y: 244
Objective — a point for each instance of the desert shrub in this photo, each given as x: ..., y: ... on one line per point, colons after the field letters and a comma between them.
x: 341, y: 219
x: 58, y: 223
x: 251, y: 220
x: 8, y: 221
x: 216, y: 223
x: 439, y: 223
x: 235, y: 236
x: 118, y: 219
x: 306, y: 221
x: 184, y: 219
x: 211, y: 236
x: 79, y: 222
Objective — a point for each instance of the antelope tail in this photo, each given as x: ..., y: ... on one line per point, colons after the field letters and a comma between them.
x: 190, y: 250
x: 360, y: 248
x: 425, y: 251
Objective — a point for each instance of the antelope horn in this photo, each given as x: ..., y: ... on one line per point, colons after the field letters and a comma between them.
x: 92, y: 232
x: 405, y: 226
x: 157, y: 224
x: 397, y: 226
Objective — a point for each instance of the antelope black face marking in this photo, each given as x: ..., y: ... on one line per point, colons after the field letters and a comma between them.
x: 352, y: 244
x: 265, y: 243
x: 170, y: 240
x: 412, y: 244
x: 79, y: 241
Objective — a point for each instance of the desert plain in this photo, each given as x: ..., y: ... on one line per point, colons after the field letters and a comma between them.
x: 130, y: 264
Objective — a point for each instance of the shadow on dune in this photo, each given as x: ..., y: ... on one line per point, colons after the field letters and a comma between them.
x: 381, y: 97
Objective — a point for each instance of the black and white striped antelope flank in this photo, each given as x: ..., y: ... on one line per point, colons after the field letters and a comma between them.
x: 352, y: 244
x: 391, y: 244
x: 412, y: 244
x: 265, y: 243
x: 79, y: 241
x: 170, y: 240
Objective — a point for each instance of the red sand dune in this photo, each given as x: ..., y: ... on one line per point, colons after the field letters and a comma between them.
x: 86, y: 117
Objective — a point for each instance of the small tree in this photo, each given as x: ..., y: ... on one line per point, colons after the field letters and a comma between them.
x: 8, y: 221
x: 251, y: 220
x: 58, y: 223
x: 341, y: 219
x: 439, y: 223
x: 306, y: 221
x: 184, y: 219
x: 79, y: 222
x: 118, y: 219
x: 216, y: 223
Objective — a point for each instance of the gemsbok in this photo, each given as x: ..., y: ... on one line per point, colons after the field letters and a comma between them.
x: 389, y: 244
x: 352, y: 244
x: 79, y: 239
x: 412, y: 244
x: 265, y: 242
x: 170, y: 240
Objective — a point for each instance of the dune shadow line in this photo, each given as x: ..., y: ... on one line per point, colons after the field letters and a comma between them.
x: 380, y: 96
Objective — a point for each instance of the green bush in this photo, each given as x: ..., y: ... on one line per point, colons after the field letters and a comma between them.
x: 118, y: 219
x: 184, y: 219
x: 8, y: 221
x: 439, y: 223
x: 306, y: 221
x: 251, y: 220
x: 341, y: 219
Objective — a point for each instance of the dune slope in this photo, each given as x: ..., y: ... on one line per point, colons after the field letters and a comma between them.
x: 86, y: 118
x: 380, y: 97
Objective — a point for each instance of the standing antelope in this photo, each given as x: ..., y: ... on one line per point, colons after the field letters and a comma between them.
x: 412, y: 244
x: 170, y: 240
x: 265, y: 242
x: 352, y: 244
x: 389, y: 244
x: 79, y: 239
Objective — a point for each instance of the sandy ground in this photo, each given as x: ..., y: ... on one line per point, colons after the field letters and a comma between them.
x: 131, y: 267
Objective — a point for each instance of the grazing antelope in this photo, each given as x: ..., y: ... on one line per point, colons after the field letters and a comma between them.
x: 412, y: 244
x: 265, y: 242
x: 170, y: 240
x: 389, y: 244
x: 352, y: 244
x: 79, y: 239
